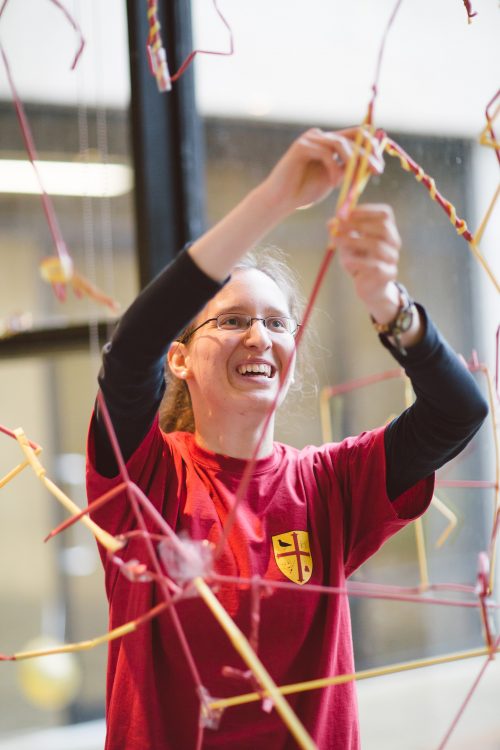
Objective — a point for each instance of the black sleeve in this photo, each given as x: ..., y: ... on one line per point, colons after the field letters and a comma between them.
x: 132, y: 373
x: 447, y: 413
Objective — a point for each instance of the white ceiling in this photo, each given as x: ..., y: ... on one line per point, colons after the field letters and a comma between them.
x: 41, y: 45
x: 314, y: 61
x: 295, y: 60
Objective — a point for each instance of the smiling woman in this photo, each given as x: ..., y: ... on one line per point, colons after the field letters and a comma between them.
x: 311, y: 516
x: 176, y: 411
x: 215, y: 365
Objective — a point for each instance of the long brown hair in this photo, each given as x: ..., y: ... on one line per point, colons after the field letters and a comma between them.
x: 176, y: 411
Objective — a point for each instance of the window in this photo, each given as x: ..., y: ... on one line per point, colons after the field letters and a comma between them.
x: 48, y: 371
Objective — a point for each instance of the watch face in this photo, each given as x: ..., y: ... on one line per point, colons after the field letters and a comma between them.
x: 404, y: 320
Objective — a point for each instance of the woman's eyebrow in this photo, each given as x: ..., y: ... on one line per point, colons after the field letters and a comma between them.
x: 240, y: 309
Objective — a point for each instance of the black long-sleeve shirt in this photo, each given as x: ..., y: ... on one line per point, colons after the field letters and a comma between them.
x: 448, y: 410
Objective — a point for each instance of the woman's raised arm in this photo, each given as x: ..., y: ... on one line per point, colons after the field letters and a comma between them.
x: 131, y: 377
x: 307, y: 173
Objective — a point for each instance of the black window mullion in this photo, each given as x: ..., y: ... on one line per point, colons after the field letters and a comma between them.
x: 167, y: 142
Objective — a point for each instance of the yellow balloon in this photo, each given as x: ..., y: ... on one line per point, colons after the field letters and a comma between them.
x: 49, y: 682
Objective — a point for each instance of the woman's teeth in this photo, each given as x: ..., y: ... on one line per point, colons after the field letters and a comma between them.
x: 255, y: 369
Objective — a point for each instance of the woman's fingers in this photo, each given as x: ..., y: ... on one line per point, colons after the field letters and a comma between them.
x: 363, y: 247
x: 371, y: 220
x: 368, y: 244
x: 315, y: 164
x: 377, y: 270
x: 341, y: 145
x: 316, y: 150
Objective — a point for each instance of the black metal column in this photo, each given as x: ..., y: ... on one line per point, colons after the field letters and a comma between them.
x: 166, y: 140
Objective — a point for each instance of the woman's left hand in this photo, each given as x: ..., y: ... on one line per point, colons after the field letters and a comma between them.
x: 368, y: 244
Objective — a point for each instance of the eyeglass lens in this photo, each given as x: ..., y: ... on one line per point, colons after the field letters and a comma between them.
x: 240, y: 322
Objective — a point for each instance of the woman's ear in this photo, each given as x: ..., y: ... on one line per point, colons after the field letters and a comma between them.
x: 179, y: 360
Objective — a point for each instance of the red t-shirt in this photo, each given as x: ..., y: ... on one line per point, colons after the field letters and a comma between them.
x: 310, y: 516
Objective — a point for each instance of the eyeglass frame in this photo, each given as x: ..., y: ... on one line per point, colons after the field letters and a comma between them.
x: 251, y: 320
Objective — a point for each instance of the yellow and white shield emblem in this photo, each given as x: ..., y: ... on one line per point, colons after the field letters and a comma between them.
x: 293, y: 555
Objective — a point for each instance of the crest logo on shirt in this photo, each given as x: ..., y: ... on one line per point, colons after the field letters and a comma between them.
x: 293, y: 555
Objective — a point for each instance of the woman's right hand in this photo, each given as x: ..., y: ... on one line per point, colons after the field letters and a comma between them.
x: 312, y: 167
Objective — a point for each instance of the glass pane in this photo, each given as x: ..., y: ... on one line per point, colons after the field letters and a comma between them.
x: 79, y: 125
x: 52, y: 590
x: 77, y: 118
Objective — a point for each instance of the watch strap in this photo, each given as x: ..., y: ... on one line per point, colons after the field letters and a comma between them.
x: 401, y: 322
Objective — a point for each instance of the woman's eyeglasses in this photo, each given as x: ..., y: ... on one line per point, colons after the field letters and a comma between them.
x: 239, y: 322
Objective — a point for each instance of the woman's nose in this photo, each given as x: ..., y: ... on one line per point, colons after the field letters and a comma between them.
x: 257, y: 334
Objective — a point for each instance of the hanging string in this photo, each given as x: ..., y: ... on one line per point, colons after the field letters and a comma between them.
x: 88, y: 224
x: 470, y: 13
x: 354, y: 176
x: 48, y: 207
x: 157, y: 55
x: 105, y: 205
x: 58, y: 270
x: 378, y: 68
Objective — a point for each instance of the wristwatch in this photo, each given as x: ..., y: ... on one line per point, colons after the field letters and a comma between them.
x: 402, y: 322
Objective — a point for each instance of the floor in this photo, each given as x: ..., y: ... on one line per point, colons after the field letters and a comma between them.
x: 408, y: 711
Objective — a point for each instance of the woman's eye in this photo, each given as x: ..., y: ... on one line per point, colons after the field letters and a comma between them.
x: 232, y: 322
x: 278, y: 324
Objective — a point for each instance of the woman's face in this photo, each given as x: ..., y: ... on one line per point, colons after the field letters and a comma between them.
x: 216, y: 361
